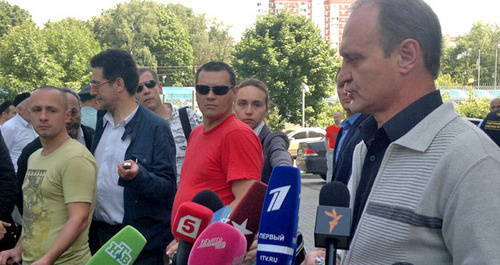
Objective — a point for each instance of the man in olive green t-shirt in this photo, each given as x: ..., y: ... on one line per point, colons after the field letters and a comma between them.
x: 58, y: 190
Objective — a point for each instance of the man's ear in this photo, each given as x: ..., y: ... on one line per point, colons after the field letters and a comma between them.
x: 409, y: 53
x: 160, y: 88
x: 120, y: 84
x: 68, y: 116
x: 235, y: 91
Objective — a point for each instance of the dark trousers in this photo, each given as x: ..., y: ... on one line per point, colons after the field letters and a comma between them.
x: 101, y: 232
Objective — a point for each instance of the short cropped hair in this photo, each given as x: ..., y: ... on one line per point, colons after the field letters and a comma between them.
x: 409, y: 19
x: 72, y: 92
x: 149, y: 70
x: 63, y: 94
x: 258, y: 84
x: 215, y: 66
x: 118, y: 64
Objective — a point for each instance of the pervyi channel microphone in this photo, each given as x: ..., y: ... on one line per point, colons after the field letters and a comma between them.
x: 277, y: 241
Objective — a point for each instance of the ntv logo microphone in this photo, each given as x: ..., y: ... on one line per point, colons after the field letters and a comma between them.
x: 189, y: 226
x: 120, y: 252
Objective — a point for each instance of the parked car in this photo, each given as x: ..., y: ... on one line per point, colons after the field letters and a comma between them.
x: 311, y: 158
x: 304, y: 135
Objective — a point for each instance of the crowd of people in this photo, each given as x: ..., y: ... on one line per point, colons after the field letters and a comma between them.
x: 78, y: 167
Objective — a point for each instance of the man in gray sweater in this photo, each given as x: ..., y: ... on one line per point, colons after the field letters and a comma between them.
x: 424, y: 184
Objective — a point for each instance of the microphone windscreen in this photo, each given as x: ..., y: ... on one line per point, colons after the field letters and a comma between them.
x: 191, y: 219
x: 277, y: 242
x: 209, y: 199
x: 246, y: 214
x: 334, y: 193
x: 222, y: 215
x: 123, y: 248
x: 219, y: 244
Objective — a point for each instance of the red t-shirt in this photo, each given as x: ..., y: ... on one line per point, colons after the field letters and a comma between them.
x: 230, y: 151
x: 331, y: 134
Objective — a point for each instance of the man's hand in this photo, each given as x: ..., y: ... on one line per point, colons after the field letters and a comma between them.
x: 3, y: 231
x: 7, y: 257
x: 251, y: 255
x: 172, y: 248
x: 311, y: 256
x: 128, y: 174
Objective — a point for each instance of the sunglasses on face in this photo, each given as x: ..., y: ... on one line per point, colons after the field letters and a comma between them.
x: 218, y: 90
x: 149, y: 84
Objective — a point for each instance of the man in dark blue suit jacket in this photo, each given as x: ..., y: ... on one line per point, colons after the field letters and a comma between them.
x: 347, y: 139
x: 140, y: 195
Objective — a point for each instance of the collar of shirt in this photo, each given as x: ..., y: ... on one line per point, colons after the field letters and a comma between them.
x: 22, y: 121
x: 258, y: 129
x: 349, y: 121
x: 81, y: 138
x: 404, y: 121
x: 108, y: 117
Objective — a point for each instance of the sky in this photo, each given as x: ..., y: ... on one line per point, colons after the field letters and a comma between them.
x: 456, y: 16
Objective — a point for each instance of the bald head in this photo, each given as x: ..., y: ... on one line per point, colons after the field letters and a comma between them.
x: 495, y: 104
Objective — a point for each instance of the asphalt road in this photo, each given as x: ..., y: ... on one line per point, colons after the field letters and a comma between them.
x: 311, y: 185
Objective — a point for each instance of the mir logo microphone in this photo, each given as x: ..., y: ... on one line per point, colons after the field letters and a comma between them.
x: 279, y: 195
x: 189, y: 226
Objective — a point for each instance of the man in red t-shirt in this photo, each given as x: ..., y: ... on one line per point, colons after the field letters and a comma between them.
x: 330, y: 136
x: 223, y: 154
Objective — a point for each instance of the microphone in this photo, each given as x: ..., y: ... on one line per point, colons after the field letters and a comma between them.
x: 222, y: 215
x: 333, y: 219
x: 122, y: 248
x: 277, y: 242
x: 246, y: 214
x: 209, y: 199
x: 219, y: 244
x: 191, y: 219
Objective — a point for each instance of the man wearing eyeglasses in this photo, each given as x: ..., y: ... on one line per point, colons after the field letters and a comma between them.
x: 223, y: 154
x: 148, y: 93
x: 141, y: 194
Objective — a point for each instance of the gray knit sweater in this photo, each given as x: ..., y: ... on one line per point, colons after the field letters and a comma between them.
x: 435, y: 200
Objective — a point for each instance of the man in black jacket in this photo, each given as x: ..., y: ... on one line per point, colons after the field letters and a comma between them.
x: 347, y: 139
x: 8, y: 192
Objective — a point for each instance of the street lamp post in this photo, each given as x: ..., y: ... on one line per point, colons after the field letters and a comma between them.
x: 479, y: 69
x: 305, y: 88
x: 496, y: 64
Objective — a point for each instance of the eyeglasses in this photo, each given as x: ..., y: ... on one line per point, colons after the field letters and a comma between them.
x: 94, y: 84
x: 148, y: 84
x: 218, y: 90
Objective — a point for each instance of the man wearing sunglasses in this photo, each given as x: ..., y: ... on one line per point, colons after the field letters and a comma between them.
x: 141, y: 194
x: 148, y: 93
x: 223, y: 154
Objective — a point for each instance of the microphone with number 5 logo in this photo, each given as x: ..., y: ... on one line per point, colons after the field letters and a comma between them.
x: 191, y: 219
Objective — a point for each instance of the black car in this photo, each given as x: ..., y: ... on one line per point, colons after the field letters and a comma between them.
x: 311, y: 158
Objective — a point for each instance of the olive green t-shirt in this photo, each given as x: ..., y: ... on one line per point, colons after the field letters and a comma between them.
x: 67, y: 175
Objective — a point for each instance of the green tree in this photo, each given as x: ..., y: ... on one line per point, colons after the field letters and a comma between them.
x: 473, y: 107
x: 25, y: 62
x: 286, y: 51
x: 71, y: 43
x: 152, y: 33
x: 11, y: 16
x: 209, y: 38
x: 461, y: 61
